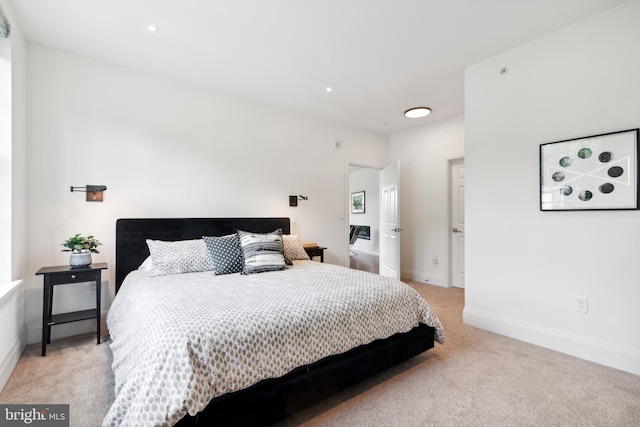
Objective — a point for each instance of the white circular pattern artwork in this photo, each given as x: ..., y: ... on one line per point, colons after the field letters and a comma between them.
x: 596, y: 172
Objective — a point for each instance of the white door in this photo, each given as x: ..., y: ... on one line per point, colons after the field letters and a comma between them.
x: 457, y: 223
x: 390, y: 221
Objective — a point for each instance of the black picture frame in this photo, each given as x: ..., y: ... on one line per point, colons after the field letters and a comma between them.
x: 597, y: 172
x: 358, y: 202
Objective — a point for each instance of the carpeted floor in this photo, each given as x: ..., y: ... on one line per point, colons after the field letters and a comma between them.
x: 476, y: 379
x: 75, y: 371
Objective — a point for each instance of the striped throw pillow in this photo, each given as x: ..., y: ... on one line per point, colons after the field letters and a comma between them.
x: 262, y: 252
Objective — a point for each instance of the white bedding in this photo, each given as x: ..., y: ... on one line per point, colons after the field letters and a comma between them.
x: 180, y: 340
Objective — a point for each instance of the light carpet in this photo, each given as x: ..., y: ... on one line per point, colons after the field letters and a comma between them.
x: 477, y: 378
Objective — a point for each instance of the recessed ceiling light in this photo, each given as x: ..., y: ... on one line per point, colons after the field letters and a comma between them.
x: 417, y: 112
x: 152, y: 28
x: 329, y: 89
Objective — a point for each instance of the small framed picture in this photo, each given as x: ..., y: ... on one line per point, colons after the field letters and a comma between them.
x: 592, y: 173
x: 357, y: 202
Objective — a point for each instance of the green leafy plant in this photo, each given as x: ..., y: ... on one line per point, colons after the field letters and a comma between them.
x: 79, y: 244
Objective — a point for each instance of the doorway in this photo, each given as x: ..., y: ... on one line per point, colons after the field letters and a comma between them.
x: 363, y: 183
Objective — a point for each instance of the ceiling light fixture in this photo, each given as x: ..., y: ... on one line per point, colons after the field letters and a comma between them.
x: 152, y: 28
x: 329, y: 89
x: 417, y: 112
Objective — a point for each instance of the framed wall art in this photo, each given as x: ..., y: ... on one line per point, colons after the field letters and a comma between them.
x: 357, y: 202
x: 592, y: 173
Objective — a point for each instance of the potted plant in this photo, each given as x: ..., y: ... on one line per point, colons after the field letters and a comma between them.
x: 81, y: 249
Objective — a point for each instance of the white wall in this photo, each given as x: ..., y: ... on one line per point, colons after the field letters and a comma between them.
x: 424, y: 153
x: 5, y: 157
x: 367, y: 180
x: 523, y: 266
x: 168, y: 149
x: 19, y: 176
x: 13, y: 336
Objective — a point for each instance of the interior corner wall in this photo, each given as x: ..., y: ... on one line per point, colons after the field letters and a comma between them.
x: 5, y: 156
x: 13, y: 338
x: 367, y: 180
x: 169, y: 149
x: 18, y: 150
x: 424, y: 153
x: 524, y: 267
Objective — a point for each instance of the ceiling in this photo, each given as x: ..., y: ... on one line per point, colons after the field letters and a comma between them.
x: 381, y: 57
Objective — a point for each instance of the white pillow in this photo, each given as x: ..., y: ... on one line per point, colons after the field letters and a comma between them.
x: 183, y: 256
x: 293, y: 248
x: 147, y: 264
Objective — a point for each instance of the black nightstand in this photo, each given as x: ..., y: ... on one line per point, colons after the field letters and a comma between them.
x: 317, y: 251
x: 62, y: 275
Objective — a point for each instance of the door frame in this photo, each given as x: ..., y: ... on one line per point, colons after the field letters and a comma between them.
x: 450, y: 160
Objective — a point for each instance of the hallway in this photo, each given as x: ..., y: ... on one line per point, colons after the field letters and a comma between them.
x: 365, y: 261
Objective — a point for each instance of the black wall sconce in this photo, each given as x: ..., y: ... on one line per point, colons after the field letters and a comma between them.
x: 293, y: 200
x: 94, y: 192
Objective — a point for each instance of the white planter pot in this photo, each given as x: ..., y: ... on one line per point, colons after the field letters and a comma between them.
x: 80, y: 260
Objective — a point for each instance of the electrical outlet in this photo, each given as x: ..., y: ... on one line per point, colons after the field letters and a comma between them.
x: 435, y: 259
x: 92, y: 288
x: 581, y: 304
x: 426, y: 280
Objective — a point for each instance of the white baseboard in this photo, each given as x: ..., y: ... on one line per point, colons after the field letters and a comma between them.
x: 363, y: 251
x: 421, y: 276
x: 595, y: 350
x: 11, y: 358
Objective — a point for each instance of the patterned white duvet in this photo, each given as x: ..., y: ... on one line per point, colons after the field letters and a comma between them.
x: 180, y: 340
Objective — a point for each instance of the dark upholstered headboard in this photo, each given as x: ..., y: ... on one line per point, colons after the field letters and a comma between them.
x: 131, y: 235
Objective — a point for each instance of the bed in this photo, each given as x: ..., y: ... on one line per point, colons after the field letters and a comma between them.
x: 217, y: 380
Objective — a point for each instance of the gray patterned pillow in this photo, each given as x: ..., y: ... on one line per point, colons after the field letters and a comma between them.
x: 225, y: 253
x: 183, y: 256
x: 262, y: 252
x: 293, y: 248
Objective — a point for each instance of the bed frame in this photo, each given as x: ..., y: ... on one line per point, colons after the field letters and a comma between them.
x: 273, y: 399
